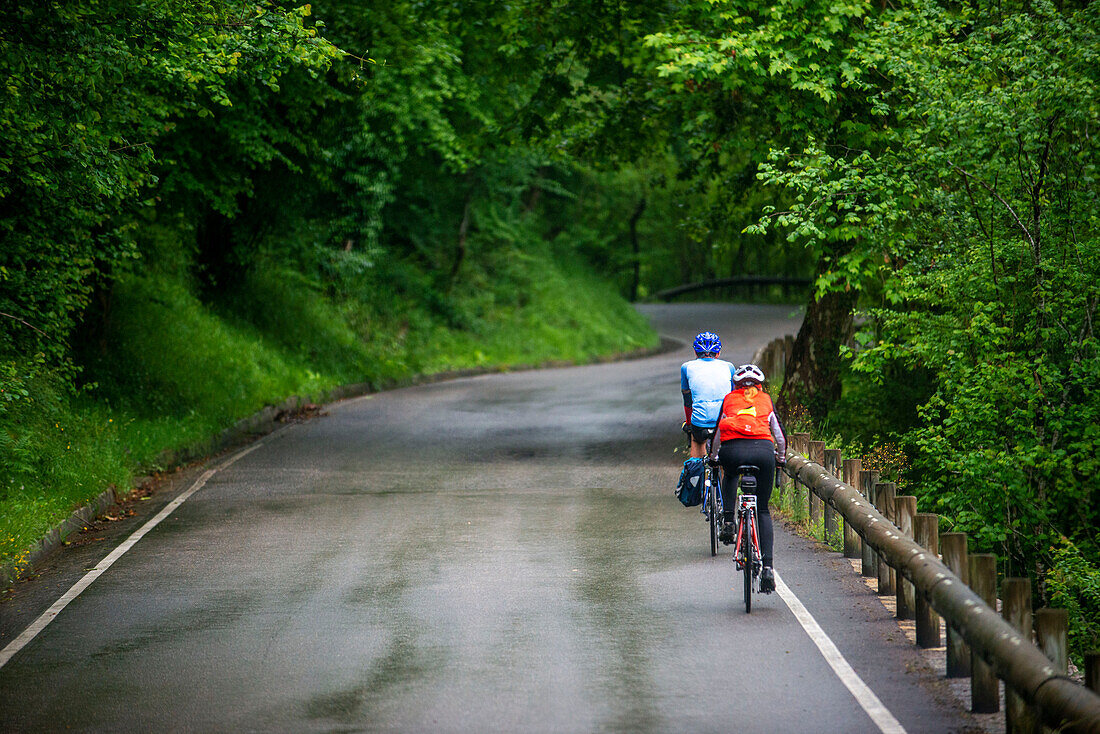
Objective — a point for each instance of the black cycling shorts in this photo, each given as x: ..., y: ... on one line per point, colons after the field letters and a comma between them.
x: 699, y: 434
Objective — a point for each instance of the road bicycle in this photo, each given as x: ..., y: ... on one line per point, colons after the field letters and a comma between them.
x: 712, y: 500
x: 746, y: 548
x: 712, y: 490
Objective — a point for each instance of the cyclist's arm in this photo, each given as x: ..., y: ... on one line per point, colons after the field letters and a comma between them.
x: 780, y: 439
x: 685, y: 388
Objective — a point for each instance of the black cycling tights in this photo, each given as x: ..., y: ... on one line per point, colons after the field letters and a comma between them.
x: 757, y: 452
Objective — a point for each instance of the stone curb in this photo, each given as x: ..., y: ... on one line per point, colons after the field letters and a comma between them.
x: 264, y: 421
x: 81, y: 517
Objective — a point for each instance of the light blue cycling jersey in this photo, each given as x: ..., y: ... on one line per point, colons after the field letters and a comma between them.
x: 710, y: 380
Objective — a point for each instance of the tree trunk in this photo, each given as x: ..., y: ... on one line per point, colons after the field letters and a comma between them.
x: 533, y: 195
x: 813, y: 370
x: 217, y: 263
x: 636, y: 249
x: 460, y: 243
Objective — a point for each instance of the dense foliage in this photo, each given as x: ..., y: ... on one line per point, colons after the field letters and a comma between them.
x: 93, y: 91
x: 973, y: 208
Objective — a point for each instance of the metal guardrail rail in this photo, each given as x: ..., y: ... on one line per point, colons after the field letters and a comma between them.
x: 1061, y: 702
x: 746, y: 280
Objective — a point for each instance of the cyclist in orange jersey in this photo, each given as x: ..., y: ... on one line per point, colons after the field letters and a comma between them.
x: 749, y: 433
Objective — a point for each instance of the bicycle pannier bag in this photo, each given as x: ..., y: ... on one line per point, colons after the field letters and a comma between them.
x: 689, y: 490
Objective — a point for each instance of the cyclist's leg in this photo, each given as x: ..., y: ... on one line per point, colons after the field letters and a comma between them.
x: 759, y: 453
x: 699, y: 441
x: 729, y: 497
x: 729, y: 458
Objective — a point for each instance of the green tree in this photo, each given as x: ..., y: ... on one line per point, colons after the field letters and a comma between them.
x: 93, y: 90
x: 748, y: 78
x: 982, y: 193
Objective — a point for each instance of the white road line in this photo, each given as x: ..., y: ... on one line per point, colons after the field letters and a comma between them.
x: 51, y: 614
x: 866, y: 698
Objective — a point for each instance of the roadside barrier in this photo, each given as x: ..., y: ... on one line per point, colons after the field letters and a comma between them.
x: 902, y: 548
x: 751, y: 282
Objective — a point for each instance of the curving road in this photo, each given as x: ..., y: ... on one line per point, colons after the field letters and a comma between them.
x: 499, y: 553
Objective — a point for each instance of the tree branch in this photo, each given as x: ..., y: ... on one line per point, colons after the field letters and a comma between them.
x: 29, y: 326
x: 993, y: 192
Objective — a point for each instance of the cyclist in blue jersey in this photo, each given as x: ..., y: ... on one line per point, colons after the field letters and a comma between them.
x: 705, y: 381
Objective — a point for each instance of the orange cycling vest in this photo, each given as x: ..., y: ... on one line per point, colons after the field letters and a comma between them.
x: 745, y: 414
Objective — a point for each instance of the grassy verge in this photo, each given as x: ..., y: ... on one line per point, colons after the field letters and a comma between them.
x: 794, y: 508
x: 170, y: 370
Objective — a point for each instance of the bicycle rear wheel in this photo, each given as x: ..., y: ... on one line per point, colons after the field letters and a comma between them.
x: 746, y: 525
x: 712, y: 511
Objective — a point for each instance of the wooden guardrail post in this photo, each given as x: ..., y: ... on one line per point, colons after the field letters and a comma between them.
x: 760, y: 359
x: 850, y: 475
x: 985, y: 692
x: 1016, y: 610
x: 884, y: 503
x: 817, y: 455
x: 832, y: 466
x: 1052, y: 637
x: 1092, y: 671
x: 868, y: 478
x: 800, y: 444
x: 953, y: 550
x: 926, y: 534
x: 905, y: 509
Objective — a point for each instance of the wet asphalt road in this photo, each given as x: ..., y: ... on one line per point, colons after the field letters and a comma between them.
x: 500, y: 553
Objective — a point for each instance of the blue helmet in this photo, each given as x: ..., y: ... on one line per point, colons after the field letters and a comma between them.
x: 707, y: 343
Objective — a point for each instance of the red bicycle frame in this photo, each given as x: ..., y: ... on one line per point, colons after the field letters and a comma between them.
x: 746, y: 504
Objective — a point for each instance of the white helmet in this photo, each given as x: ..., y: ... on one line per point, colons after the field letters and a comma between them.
x: 748, y: 373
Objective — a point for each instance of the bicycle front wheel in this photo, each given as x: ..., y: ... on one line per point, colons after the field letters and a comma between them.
x: 712, y: 511
x: 747, y: 570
